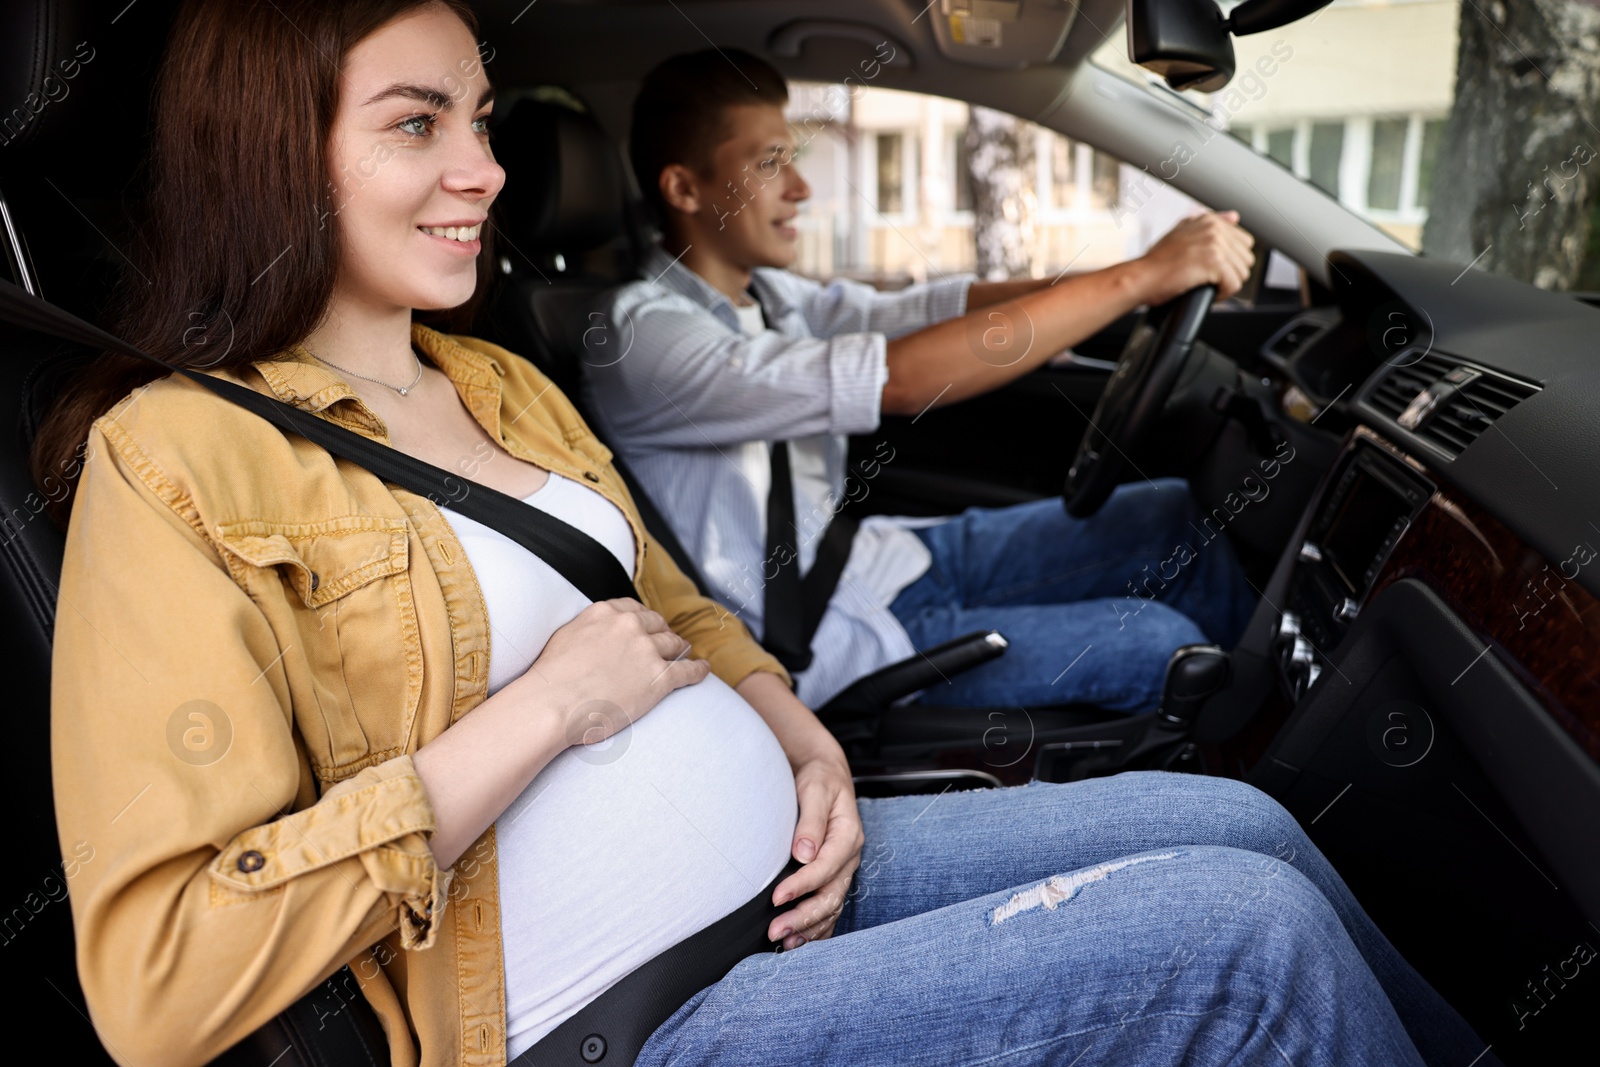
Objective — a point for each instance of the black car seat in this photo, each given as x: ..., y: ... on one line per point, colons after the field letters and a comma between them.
x: 75, y: 76
x: 572, y: 228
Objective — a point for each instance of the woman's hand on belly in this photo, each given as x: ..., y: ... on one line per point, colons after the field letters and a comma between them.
x: 611, y: 664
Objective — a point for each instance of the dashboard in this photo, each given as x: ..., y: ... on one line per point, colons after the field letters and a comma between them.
x: 1448, y: 564
x: 1512, y: 375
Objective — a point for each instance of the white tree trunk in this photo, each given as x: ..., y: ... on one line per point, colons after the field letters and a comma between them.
x: 1005, y: 204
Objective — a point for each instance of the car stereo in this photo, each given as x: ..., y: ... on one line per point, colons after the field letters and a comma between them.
x: 1365, y: 510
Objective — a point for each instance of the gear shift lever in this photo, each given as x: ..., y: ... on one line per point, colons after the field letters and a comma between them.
x: 1195, y: 674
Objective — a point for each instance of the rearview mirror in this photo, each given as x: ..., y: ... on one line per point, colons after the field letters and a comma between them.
x: 1184, y: 41
x: 1190, y: 43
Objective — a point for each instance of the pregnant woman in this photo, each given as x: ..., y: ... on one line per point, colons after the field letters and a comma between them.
x: 307, y: 719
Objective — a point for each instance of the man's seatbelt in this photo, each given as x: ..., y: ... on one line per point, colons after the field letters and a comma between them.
x: 793, y: 606
x: 577, y: 557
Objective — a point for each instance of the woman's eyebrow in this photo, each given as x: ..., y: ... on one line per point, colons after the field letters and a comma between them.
x: 427, y: 94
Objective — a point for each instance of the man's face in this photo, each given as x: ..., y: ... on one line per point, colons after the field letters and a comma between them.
x: 751, y: 191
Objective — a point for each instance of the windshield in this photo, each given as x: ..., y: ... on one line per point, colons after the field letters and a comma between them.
x: 1461, y: 137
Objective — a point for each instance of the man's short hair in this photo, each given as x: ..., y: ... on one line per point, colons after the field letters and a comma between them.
x: 679, y: 115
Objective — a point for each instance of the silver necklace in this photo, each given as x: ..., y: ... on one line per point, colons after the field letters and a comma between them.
x: 402, y: 390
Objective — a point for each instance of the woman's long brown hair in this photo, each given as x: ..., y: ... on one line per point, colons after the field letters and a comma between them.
x: 238, y: 244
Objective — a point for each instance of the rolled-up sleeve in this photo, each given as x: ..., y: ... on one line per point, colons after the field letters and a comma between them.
x: 844, y: 306
x: 687, y: 380
x: 221, y: 887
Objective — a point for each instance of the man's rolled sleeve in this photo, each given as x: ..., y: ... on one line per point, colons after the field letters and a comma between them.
x: 843, y: 306
x: 858, y: 366
x: 946, y: 298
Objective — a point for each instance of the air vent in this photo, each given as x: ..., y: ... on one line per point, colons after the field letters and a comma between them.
x: 1446, y: 403
x: 1401, y: 385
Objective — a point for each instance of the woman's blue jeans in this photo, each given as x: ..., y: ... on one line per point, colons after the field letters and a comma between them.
x: 1092, y: 608
x: 1144, y: 919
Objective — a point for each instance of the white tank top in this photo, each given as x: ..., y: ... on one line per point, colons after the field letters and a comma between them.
x: 619, y: 850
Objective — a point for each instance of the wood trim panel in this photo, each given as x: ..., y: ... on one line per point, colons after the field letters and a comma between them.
x: 1547, y: 625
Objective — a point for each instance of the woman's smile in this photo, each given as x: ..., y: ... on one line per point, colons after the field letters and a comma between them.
x: 460, y: 238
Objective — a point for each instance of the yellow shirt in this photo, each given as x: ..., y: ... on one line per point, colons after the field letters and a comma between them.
x: 252, y: 637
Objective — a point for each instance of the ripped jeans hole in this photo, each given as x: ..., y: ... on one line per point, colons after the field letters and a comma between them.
x: 1063, y: 887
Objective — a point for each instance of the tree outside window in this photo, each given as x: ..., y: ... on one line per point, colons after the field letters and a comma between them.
x: 1063, y: 174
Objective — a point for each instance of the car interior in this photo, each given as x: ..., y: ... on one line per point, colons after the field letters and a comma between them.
x: 1397, y: 451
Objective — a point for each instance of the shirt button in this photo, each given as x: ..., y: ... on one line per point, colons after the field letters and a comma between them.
x: 314, y: 581
x: 252, y: 861
x: 591, y: 475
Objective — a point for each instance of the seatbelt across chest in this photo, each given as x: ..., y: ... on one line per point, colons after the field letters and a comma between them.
x: 576, y: 556
x: 793, y: 605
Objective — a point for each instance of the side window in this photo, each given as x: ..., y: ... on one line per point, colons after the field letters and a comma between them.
x: 906, y: 187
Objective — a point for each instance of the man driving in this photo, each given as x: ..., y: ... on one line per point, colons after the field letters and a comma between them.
x: 730, y: 384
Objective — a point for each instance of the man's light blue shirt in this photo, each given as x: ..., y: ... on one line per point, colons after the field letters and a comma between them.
x: 690, y: 401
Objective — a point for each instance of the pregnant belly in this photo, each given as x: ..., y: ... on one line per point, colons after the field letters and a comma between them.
x: 618, y: 851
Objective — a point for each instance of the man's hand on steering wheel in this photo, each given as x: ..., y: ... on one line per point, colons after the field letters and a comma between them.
x: 1202, y: 259
x: 1208, y: 249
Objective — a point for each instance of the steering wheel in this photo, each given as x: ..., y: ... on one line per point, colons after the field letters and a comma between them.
x: 1132, y: 401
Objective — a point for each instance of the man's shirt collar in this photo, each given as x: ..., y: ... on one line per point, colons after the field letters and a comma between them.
x: 662, y: 268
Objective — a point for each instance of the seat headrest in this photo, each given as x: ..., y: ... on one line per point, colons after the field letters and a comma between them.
x: 75, y: 81
x: 564, y: 184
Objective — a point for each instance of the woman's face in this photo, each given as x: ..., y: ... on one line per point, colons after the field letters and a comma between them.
x: 412, y: 176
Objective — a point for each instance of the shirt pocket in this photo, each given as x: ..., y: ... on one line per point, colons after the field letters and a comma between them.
x: 338, y: 595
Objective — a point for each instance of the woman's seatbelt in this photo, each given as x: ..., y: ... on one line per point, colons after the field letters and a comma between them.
x: 617, y: 1023
x: 576, y: 556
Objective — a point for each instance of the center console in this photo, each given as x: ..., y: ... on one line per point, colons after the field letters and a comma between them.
x: 1365, y: 509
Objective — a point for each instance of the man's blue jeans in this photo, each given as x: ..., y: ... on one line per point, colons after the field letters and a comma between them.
x: 1092, y: 608
x: 1144, y: 919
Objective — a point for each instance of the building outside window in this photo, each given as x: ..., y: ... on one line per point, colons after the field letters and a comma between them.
x: 891, y: 173
x: 961, y: 168
x: 1353, y: 100
x: 1323, y: 156
x: 892, y: 195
